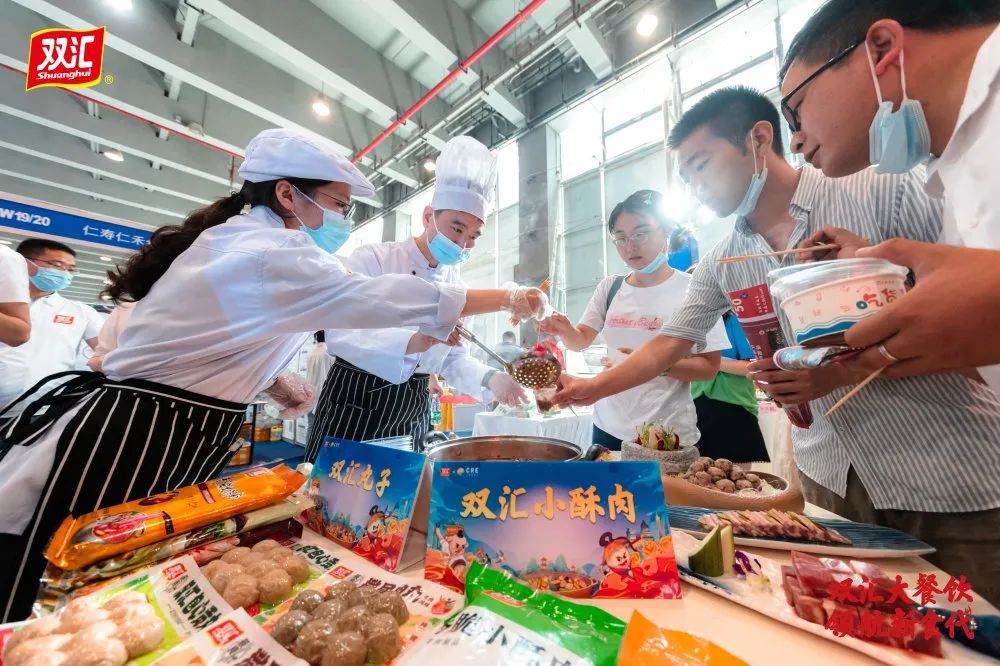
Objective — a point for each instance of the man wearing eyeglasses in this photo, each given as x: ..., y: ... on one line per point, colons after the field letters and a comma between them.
x: 899, y: 453
x: 58, y: 325
x: 892, y: 83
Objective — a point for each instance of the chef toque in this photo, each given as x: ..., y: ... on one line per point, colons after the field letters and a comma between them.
x: 286, y: 153
x: 466, y: 178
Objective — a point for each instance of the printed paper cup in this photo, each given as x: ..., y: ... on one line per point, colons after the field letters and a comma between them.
x: 820, y: 301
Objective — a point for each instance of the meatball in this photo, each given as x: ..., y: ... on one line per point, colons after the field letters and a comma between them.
x: 27, y: 649
x: 737, y: 474
x: 87, y: 603
x: 208, y: 569
x: 725, y: 464
x: 743, y: 484
x: 347, y: 649
x: 341, y: 590
x: 242, y: 591
x: 752, y: 478
x: 99, y: 652
x: 127, y: 598
x: 725, y: 485
x: 45, y: 626
x: 279, y: 553
x: 697, y: 466
x: 265, y: 545
x: 132, y: 613
x: 274, y: 586
x: 235, y: 555
x: 307, y: 601
x: 353, y: 619
x: 74, y: 621
x: 252, y: 558
x: 702, y: 477
x: 97, y: 631
x: 287, y: 629
x: 382, y: 638
x: 706, y: 461
x: 330, y: 609
x: 694, y: 480
x: 716, y: 473
x: 388, y: 602
x: 259, y: 568
x: 296, y: 566
x: 312, y: 641
x: 141, y: 636
x: 221, y: 577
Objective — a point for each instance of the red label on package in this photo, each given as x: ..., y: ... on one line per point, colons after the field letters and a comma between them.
x: 175, y: 571
x: 225, y: 632
x: 63, y: 319
x: 65, y: 58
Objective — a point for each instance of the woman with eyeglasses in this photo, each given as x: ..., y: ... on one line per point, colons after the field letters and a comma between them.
x: 224, y: 302
x: 629, y: 310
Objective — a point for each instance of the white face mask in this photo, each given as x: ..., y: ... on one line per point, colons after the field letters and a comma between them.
x: 755, y: 187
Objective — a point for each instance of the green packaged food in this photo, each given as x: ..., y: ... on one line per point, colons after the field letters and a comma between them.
x: 506, y: 622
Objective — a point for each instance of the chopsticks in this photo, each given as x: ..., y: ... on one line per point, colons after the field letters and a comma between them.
x: 854, y: 391
x: 780, y: 253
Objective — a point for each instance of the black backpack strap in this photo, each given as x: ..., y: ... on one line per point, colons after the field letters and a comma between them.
x: 616, y: 284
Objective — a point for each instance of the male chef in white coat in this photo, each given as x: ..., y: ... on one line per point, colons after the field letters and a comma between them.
x: 378, y: 386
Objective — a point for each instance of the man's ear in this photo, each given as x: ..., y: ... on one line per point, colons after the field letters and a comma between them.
x: 885, y: 42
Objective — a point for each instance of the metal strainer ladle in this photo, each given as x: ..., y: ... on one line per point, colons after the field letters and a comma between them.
x: 526, y: 371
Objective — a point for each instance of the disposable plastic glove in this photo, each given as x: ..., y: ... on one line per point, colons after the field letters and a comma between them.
x: 525, y: 303
x: 293, y: 394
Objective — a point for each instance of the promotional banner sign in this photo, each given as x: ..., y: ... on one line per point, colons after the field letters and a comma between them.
x: 23, y: 217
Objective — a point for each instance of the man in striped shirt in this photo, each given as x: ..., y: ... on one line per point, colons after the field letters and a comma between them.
x: 906, y: 453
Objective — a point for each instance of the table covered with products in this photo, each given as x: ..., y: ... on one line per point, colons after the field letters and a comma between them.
x: 274, y: 566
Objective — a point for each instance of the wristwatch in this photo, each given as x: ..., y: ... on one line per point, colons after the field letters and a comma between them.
x: 486, y: 378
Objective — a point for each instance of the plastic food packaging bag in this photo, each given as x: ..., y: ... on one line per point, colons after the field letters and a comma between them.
x: 179, y: 596
x: 234, y: 640
x: 80, y: 542
x: 646, y: 644
x: 205, y: 543
x: 506, y: 623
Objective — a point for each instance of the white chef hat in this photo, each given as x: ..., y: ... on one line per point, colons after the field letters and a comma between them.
x: 287, y: 153
x: 466, y: 177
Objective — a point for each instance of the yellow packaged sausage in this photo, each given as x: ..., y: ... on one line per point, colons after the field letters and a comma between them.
x: 646, y: 644
x: 107, y: 532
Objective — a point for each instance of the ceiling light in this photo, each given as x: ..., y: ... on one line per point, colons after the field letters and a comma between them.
x: 429, y: 165
x: 321, y: 108
x: 646, y: 25
x: 120, y: 5
x: 105, y: 258
x: 114, y: 155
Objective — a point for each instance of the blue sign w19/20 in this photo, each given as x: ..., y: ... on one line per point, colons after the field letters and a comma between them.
x: 25, y: 217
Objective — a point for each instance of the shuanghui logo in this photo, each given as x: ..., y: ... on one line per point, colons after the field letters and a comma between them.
x: 65, y: 58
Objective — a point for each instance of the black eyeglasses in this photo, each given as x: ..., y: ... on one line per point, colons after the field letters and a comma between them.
x: 345, y: 209
x: 792, y: 115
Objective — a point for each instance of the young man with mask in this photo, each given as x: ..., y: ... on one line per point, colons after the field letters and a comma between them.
x: 934, y: 68
x: 378, y: 386
x: 897, y: 453
x: 58, y: 325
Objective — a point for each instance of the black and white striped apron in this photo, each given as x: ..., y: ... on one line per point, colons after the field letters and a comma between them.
x: 358, y: 405
x: 123, y: 440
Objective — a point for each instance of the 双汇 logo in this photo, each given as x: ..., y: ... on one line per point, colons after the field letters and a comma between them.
x: 65, y: 58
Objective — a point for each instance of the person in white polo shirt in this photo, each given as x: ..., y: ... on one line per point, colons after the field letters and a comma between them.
x: 58, y: 325
x: 15, y: 322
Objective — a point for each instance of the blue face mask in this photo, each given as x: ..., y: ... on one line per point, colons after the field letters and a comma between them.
x: 445, y: 250
x: 900, y: 140
x: 50, y: 279
x: 754, y: 189
x: 654, y: 265
x: 334, y: 231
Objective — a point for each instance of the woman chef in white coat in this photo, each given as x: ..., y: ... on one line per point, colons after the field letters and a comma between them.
x: 378, y: 386
x: 224, y: 301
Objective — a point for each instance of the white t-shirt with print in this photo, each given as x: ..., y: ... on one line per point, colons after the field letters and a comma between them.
x: 634, y: 319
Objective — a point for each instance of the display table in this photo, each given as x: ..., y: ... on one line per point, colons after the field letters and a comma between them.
x: 753, y: 636
x: 564, y: 425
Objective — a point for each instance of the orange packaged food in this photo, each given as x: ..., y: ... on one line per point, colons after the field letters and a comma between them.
x: 107, y: 532
x: 646, y: 644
